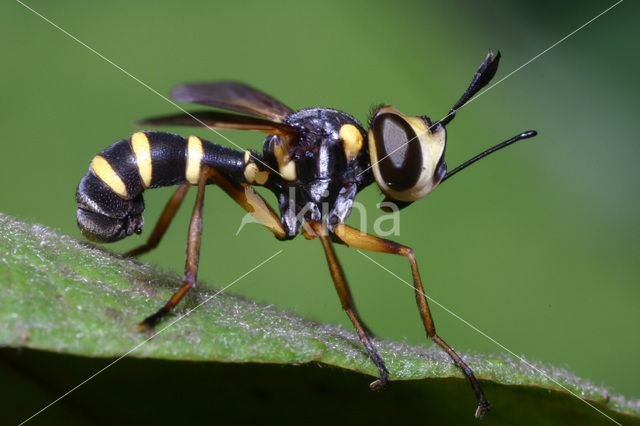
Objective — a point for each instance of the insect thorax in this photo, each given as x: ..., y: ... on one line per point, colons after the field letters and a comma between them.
x: 317, y: 179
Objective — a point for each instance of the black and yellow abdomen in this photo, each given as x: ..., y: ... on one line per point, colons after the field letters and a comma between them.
x: 109, y: 197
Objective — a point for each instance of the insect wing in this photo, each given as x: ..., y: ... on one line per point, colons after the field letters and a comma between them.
x: 221, y: 120
x: 233, y: 96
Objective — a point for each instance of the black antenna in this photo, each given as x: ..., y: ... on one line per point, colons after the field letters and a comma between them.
x: 524, y: 135
x: 481, y: 78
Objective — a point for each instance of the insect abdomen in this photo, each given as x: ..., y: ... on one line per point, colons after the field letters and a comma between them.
x: 109, y: 197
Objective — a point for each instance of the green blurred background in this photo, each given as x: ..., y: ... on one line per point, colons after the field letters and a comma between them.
x: 537, y: 246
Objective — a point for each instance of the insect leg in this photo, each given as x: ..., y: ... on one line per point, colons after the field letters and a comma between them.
x: 163, y: 223
x: 193, y: 253
x: 354, y: 238
x: 251, y: 201
x: 319, y: 230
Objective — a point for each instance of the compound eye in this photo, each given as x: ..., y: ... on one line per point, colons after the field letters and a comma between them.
x: 398, y: 150
x: 407, y: 155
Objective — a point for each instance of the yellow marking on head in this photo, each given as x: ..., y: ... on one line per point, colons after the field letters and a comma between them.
x: 286, y: 167
x: 194, y: 159
x: 252, y: 174
x: 247, y: 156
x: 352, y: 140
x: 142, y: 151
x: 105, y: 173
x: 419, y: 125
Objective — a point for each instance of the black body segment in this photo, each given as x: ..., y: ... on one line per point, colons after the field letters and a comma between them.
x: 104, y: 216
x: 228, y: 162
x: 94, y: 195
x: 107, y: 213
x: 168, y: 159
x: 121, y: 158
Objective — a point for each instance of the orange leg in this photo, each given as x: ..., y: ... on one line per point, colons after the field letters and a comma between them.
x: 193, y: 254
x: 243, y: 195
x: 317, y: 229
x: 251, y: 201
x: 354, y: 238
x: 163, y: 223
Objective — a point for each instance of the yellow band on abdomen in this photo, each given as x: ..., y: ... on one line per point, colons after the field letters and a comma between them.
x: 142, y: 151
x: 105, y: 173
x: 194, y: 159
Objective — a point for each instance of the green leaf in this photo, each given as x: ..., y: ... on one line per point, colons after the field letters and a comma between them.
x: 67, y: 297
